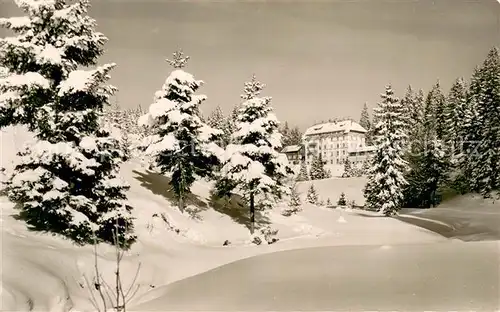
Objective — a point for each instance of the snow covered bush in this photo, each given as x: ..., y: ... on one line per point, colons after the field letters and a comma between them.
x: 67, y: 182
x: 266, y: 234
x: 181, y: 144
x: 384, y: 189
x: 312, y: 195
x: 252, y: 165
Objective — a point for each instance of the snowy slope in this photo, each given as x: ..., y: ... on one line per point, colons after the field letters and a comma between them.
x: 46, y: 273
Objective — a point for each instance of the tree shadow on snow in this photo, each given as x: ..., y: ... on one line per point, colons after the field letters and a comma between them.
x: 160, y: 185
x: 236, y: 208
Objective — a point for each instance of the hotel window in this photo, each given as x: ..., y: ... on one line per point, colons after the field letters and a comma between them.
x: 331, y: 161
x: 337, y: 145
x: 338, y: 153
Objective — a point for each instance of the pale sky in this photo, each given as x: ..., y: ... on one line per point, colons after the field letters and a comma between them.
x: 319, y: 59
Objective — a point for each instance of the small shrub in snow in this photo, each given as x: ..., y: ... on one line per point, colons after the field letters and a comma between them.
x: 256, y: 240
x: 342, y: 200
x: 269, y: 234
x: 226, y: 243
x: 312, y: 195
x: 265, y: 234
x: 328, y: 202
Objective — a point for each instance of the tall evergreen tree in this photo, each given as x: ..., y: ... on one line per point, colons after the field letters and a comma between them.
x: 384, y: 189
x: 253, y: 167
x: 364, y: 120
x: 291, y: 135
x: 348, y: 169
x: 182, y: 144
x: 317, y: 171
x: 67, y: 182
x: 303, y: 175
x: 456, y: 111
x: 312, y: 195
x: 295, y: 136
x: 416, y: 117
x: 217, y: 120
x: 436, y: 112
x: 408, y: 105
x: 486, y: 160
x: 470, y: 130
x: 429, y: 165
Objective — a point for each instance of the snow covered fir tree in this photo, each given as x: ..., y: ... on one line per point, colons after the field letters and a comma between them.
x: 312, y: 195
x: 218, y: 120
x: 252, y: 166
x: 67, y: 182
x: 484, y: 158
x: 318, y: 171
x: 384, y: 189
x: 182, y: 144
x: 303, y: 174
x: 349, y: 171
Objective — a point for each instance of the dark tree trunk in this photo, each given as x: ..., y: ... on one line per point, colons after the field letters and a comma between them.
x: 252, y: 213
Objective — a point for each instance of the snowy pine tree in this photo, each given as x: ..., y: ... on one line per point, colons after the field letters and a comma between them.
x: 294, y: 197
x: 384, y: 189
x: 303, y: 175
x: 217, y: 120
x: 328, y: 202
x: 364, y: 120
x: 435, y: 109
x: 456, y: 110
x: 348, y: 169
x: 252, y: 166
x: 182, y: 144
x: 485, y: 161
x: 429, y: 166
x: 291, y: 135
x: 317, y: 171
x: 312, y: 195
x: 408, y: 105
x: 67, y: 182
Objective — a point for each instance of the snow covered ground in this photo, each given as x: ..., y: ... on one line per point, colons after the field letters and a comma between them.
x: 47, y: 273
x: 333, y: 187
